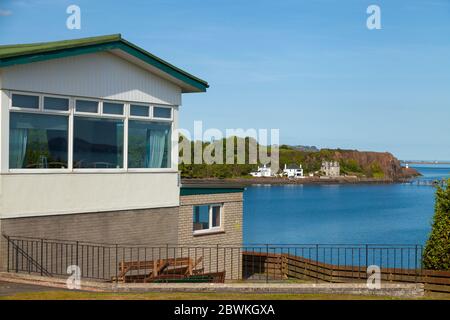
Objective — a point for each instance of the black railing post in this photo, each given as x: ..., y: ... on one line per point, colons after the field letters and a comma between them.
x: 317, y: 263
x: 367, y: 256
x: 17, y: 257
x: 117, y: 262
x: 7, y: 259
x: 42, y: 257
x: 421, y: 260
x: 267, y: 263
x: 167, y: 251
x: 415, y: 262
x: 76, y: 255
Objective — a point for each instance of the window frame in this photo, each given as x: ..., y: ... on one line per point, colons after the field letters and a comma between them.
x: 40, y: 102
x: 86, y: 113
x: 130, y: 116
x: 97, y: 170
x: 40, y: 110
x: 42, y: 98
x: 150, y: 119
x: 71, y: 113
x: 168, y: 169
x: 211, y: 229
x: 112, y: 115
x: 163, y: 107
x: 44, y: 170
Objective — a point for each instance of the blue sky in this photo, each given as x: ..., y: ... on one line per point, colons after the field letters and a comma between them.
x: 310, y: 68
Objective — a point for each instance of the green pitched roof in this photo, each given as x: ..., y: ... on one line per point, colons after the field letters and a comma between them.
x: 33, y: 52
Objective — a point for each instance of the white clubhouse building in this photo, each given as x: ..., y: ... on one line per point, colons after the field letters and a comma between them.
x: 86, y: 149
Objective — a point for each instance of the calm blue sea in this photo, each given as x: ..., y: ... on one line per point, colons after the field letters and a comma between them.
x: 341, y: 214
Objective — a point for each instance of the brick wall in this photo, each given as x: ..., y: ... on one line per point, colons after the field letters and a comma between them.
x: 152, y: 227
x: 228, y: 257
x: 148, y: 226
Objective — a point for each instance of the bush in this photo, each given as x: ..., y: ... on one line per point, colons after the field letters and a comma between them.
x: 436, y: 255
x: 376, y: 171
x: 350, y: 166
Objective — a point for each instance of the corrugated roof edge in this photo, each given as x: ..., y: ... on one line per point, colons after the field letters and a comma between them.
x: 55, y: 45
x: 27, y: 53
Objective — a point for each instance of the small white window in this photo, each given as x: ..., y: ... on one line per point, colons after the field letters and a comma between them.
x: 86, y: 106
x: 56, y: 104
x: 139, y: 111
x: 207, y: 218
x: 112, y: 108
x: 162, y: 113
x: 25, y: 101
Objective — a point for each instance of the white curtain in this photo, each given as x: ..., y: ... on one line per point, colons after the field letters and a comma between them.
x: 18, y: 141
x: 156, y: 142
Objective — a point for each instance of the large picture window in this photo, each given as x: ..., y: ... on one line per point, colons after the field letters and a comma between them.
x: 37, y: 141
x: 97, y: 143
x: 148, y: 144
x: 51, y: 131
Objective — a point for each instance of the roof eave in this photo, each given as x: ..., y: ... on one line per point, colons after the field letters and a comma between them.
x: 186, y: 81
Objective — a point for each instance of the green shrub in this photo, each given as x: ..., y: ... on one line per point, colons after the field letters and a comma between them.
x: 350, y: 166
x: 376, y: 171
x: 436, y: 255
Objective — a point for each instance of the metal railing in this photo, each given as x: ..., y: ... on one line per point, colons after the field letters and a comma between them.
x: 255, y: 262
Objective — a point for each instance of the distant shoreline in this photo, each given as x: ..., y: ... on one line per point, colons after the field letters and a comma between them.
x: 285, y: 181
x: 425, y: 162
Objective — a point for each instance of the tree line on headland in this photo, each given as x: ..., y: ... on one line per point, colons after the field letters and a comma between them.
x: 376, y: 165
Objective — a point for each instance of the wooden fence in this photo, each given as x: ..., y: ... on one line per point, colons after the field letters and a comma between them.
x: 257, y: 265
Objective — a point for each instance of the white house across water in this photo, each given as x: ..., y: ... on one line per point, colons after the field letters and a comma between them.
x: 263, y: 171
x: 293, y: 171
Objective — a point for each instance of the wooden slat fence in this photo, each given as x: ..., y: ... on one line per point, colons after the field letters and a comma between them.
x: 283, y: 266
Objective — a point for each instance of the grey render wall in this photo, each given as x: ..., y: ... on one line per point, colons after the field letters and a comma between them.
x: 147, y: 226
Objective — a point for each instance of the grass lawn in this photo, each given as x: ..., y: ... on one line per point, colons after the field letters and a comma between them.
x: 72, y: 295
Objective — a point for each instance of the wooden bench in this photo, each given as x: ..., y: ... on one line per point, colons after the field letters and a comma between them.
x: 170, y: 267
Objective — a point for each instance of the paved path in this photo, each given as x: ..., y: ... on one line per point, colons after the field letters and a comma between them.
x: 30, y: 283
x: 10, y: 288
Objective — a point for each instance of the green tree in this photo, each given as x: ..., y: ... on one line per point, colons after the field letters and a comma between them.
x: 436, y: 255
x: 350, y: 166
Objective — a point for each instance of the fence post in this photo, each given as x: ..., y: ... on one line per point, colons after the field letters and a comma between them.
x: 42, y: 257
x: 76, y: 255
x: 267, y: 263
x: 367, y: 256
x: 415, y: 262
x: 117, y: 262
x: 167, y: 251
x: 421, y: 260
x: 317, y: 263
x: 17, y: 257
x: 7, y: 259
x: 217, y: 257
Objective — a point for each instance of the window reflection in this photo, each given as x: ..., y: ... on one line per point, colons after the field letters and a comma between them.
x: 37, y: 141
x: 148, y: 144
x: 98, y: 143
